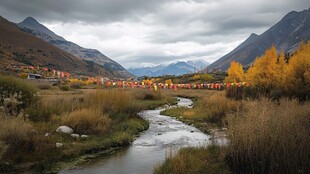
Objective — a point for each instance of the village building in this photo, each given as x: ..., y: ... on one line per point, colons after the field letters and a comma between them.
x: 34, y: 76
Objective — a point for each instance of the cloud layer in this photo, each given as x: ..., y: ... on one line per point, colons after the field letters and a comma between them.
x: 146, y: 32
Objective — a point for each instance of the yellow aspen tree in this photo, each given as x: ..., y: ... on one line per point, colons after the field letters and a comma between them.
x: 263, y: 72
x: 169, y: 81
x: 282, y: 69
x: 196, y: 77
x: 298, y: 74
x: 235, y: 73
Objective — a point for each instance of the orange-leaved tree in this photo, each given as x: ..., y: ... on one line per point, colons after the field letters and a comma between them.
x: 235, y: 73
x: 282, y: 72
x: 298, y: 72
x: 264, y: 74
x: 274, y: 76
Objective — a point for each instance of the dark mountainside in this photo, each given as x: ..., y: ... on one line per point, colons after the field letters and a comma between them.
x: 286, y: 35
x: 20, y: 48
x: 33, y: 27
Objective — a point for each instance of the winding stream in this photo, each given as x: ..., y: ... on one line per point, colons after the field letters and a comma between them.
x: 165, y: 133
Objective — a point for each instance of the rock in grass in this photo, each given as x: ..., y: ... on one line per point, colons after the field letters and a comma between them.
x: 84, y: 136
x: 64, y: 129
x: 58, y: 145
x: 75, y: 135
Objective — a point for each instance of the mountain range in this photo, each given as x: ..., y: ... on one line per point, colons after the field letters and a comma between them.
x: 20, y: 48
x: 31, y: 43
x: 113, y: 69
x: 286, y: 35
x: 178, y: 68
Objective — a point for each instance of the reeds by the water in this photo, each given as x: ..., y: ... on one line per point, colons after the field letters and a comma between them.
x: 269, y: 137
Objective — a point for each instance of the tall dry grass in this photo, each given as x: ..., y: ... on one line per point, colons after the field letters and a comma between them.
x: 269, y: 137
x: 216, y: 106
x: 193, y: 160
x: 147, y: 94
x: 111, y: 101
x: 54, y: 105
x: 14, y: 133
x: 87, y: 121
x: 18, y: 137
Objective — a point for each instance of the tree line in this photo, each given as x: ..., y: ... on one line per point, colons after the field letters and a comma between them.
x: 274, y: 75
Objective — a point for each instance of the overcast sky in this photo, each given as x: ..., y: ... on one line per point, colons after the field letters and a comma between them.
x: 150, y: 32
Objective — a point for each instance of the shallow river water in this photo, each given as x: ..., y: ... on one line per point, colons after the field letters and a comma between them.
x: 150, y: 148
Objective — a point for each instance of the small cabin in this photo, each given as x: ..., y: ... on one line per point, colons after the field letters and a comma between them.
x: 34, y: 76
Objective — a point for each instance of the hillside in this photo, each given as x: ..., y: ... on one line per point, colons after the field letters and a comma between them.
x: 285, y: 35
x: 20, y: 48
x: 33, y: 27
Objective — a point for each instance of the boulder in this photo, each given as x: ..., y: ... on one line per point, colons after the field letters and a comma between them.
x: 84, y: 136
x: 75, y: 135
x: 64, y: 129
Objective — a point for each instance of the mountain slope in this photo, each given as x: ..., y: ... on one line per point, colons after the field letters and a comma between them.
x: 18, y: 47
x: 32, y: 26
x: 285, y: 35
x: 178, y: 68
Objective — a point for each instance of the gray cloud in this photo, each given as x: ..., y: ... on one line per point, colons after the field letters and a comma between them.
x: 154, y: 31
x: 78, y: 10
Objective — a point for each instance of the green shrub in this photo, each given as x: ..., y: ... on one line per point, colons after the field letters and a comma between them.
x: 39, y: 112
x: 134, y: 125
x: 64, y: 87
x: 122, y: 139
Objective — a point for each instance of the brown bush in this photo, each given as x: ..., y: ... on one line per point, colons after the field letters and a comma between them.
x: 87, y: 121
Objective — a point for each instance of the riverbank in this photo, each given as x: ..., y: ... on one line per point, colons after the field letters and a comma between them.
x: 38, y: 148
x: 260, y: 132
x: 208, y: 109
x: 164, y: 134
